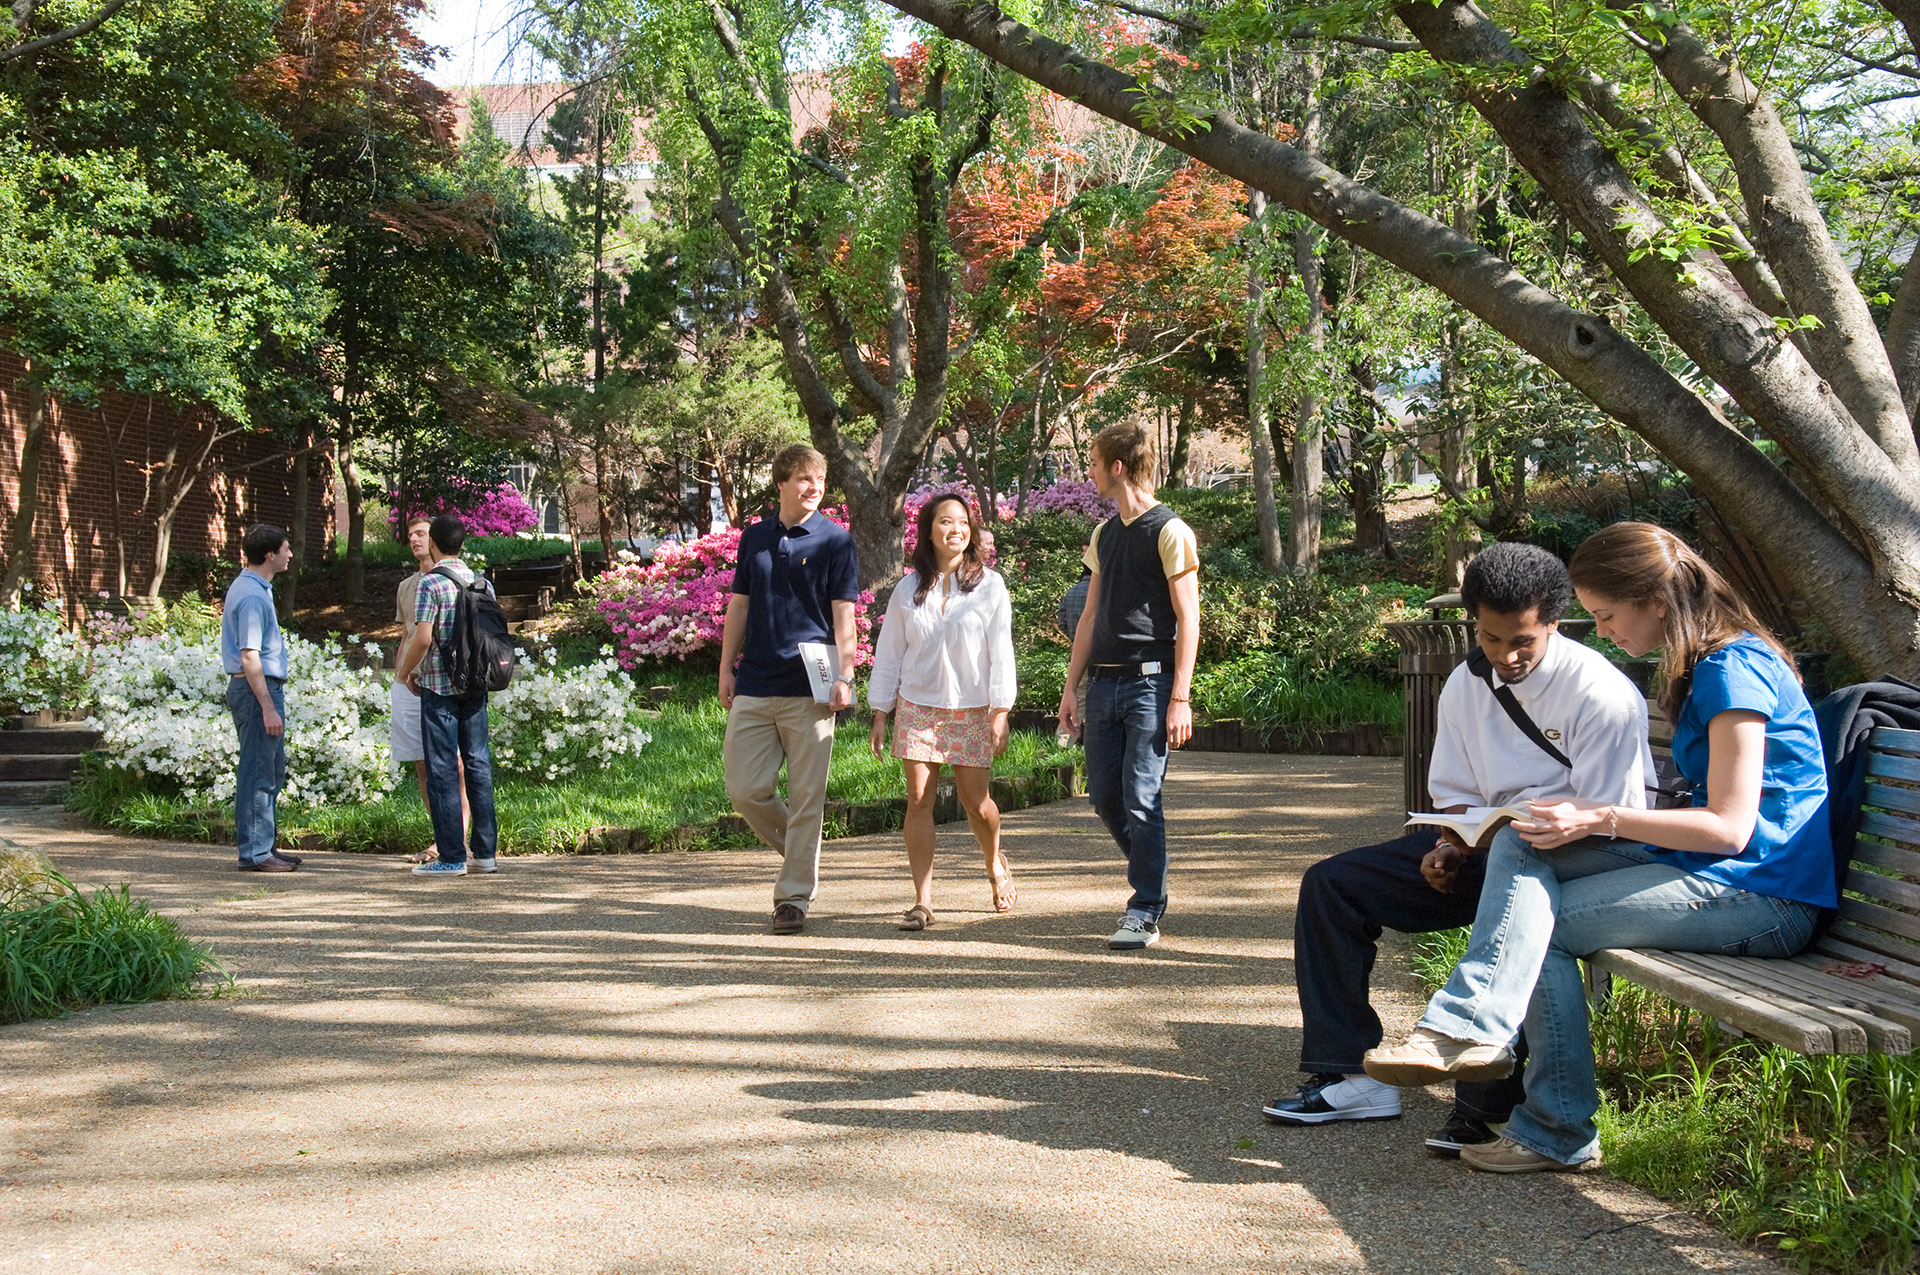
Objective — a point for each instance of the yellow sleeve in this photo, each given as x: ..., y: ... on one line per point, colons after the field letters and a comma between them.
x: 1092, y: 556
x: 1179, y: 551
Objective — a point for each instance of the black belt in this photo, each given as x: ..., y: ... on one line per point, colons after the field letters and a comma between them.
x: 241, y: 677
x: 1104, y: 671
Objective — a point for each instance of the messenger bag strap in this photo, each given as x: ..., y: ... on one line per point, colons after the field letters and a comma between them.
x: 1481, y: 667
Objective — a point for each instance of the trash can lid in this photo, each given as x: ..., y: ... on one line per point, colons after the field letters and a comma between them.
x: 1445, y: 602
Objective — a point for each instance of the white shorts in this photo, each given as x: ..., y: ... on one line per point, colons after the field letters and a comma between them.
x: 407, y: 745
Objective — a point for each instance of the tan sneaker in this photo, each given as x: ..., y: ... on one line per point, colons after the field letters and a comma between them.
x: 1504, y: 1155
x: 1428, y: 1058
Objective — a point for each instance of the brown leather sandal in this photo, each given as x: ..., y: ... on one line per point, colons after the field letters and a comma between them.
x: 918, y: 917
x: 1004, y: 892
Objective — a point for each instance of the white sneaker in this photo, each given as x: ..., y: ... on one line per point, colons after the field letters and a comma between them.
x: 483, y: 865
x: 1327, y: 1098
x: 1133, y: 935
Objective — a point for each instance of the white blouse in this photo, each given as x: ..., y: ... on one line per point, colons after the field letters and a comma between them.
x: 955, y: 650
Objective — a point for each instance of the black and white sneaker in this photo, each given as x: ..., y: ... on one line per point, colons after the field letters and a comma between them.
x: 1335, y: 1097
x: 1460, y: 1131
x: 1133, y: 935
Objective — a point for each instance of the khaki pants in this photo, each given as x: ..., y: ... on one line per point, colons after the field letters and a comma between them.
x: 762, y: 732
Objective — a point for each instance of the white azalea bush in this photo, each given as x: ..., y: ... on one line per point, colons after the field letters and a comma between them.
x: 552, y: 722
x: 42, y: 664
x: 160, y: 705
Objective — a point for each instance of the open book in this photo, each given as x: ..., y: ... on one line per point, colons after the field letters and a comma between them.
x: 1476, y: 824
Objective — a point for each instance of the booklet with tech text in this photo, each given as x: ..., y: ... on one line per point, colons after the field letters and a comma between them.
x: 1476, y: 824
x: 823, y: 666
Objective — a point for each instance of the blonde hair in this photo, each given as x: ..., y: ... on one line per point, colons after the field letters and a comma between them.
x: 1639, y: 563
x: 1130, y: 444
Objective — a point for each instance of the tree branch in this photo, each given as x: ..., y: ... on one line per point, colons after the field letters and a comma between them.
x: 1788, y: 226
x: 74, y: 32
x: 1870, y: 64
x: 1617, y: 375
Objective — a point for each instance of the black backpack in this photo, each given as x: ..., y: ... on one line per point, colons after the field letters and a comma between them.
x: 478, y: 653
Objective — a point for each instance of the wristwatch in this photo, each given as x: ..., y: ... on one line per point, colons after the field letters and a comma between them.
x: 844, y: 678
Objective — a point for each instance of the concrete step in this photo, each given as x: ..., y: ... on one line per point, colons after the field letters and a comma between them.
x: 26, y: 767
x: 48, y: 739
x: 34, y: 793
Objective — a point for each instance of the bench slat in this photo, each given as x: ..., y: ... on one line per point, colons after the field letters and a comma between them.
x: 1873, y: 916
x: 1887, y: 797
x: 1832, y: 946
x: 1888, y: 1018
x: 1892, y: 858
x: 1758, y: 977
x: 1884, y: 888
x: 1892, y: 737
x: 1751, y: 1014
x: 1858, y: 943
x: 1894, y: 766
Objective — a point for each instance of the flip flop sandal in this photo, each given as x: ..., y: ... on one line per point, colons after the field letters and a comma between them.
x: 1004, y: 892
x: 425, y: 856
x: 918, y: 917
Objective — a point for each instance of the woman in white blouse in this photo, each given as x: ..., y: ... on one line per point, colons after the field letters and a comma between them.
x: 946, y: 660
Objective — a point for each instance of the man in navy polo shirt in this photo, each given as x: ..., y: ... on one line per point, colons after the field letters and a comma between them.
x: 254, y: 656
x: 797, y: 581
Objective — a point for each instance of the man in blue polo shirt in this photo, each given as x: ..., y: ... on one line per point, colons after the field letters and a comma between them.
x: 254, y: 656
x: 797, y: 581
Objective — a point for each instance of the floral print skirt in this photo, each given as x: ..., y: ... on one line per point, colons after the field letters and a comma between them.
x: 956, y: 736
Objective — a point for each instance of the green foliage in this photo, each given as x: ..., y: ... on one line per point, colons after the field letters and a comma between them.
x: 74, y: 950
x: 1267, y: 688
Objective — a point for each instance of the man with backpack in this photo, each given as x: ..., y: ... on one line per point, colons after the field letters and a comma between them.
x: 459, y: 650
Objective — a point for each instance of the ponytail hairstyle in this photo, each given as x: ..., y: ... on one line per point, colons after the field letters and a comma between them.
x: 1637, y: 562
x: 971, y: 569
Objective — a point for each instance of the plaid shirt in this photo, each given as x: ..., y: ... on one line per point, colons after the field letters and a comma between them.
x: 434, y: 605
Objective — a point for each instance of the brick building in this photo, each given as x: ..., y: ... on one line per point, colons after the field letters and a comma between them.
x: 98, y: 492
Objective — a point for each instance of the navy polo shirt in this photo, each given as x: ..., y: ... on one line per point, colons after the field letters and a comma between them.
x: 791, y: 577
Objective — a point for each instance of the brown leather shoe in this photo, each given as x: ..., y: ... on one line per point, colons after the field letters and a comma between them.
x: 788, y: 919
x: 289, y: 856
x: 272, y: 863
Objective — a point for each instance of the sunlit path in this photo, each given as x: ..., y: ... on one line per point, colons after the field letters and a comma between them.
x: 607, y: 1064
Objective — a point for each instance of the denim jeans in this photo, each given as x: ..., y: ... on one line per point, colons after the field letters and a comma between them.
x: 1345, y: 902
x: 263, y: 768
x: 1541, y: 910
x: 1126, y: 740
x: 453, y: 729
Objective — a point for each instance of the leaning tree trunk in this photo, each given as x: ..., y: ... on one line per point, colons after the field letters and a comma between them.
x: 20, y: 537
x: 1852, y: 548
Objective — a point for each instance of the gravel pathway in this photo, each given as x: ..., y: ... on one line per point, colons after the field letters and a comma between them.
x: 608, y: 1065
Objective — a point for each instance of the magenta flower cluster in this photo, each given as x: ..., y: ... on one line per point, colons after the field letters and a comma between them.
x: 676, y: 605
x: 1075, y: 498
x: 487, y: 511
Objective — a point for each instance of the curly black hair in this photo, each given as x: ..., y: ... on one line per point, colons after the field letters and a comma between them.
x: 1514, y: 578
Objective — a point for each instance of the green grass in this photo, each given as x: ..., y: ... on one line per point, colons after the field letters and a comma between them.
x: 677, y: 782
x: 1266, y: 688
x: 1816, y: 1156
x: 72, y: 950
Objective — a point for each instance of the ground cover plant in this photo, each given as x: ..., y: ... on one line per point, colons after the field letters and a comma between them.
x: 62, y: 950
x: 1818, y: 1157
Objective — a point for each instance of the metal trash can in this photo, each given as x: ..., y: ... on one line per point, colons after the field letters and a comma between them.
x: 1429, y: 651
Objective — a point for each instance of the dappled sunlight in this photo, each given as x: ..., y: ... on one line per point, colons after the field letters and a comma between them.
x: 608, y: 1064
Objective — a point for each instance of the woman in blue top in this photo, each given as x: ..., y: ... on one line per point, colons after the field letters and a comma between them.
x: 1746, y: 870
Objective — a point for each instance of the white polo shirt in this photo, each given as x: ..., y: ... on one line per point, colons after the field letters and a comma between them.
x: 1585, y: 705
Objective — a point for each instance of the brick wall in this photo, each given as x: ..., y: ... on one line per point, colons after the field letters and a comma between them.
x: 76, y: 533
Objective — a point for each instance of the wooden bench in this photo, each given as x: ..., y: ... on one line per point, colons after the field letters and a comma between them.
x: 1856, y: 990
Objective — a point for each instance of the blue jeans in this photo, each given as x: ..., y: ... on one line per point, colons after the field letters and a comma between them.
x: 453, y: 731
x: 1126, y: 740
x: 263, y: 768
x: 1541, y: 910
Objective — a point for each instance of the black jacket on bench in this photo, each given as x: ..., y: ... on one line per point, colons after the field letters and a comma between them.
x: 1846, y: 718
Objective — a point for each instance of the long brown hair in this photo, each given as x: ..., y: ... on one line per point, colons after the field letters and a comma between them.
x: 926, y: 568
x: 1640, y: 563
